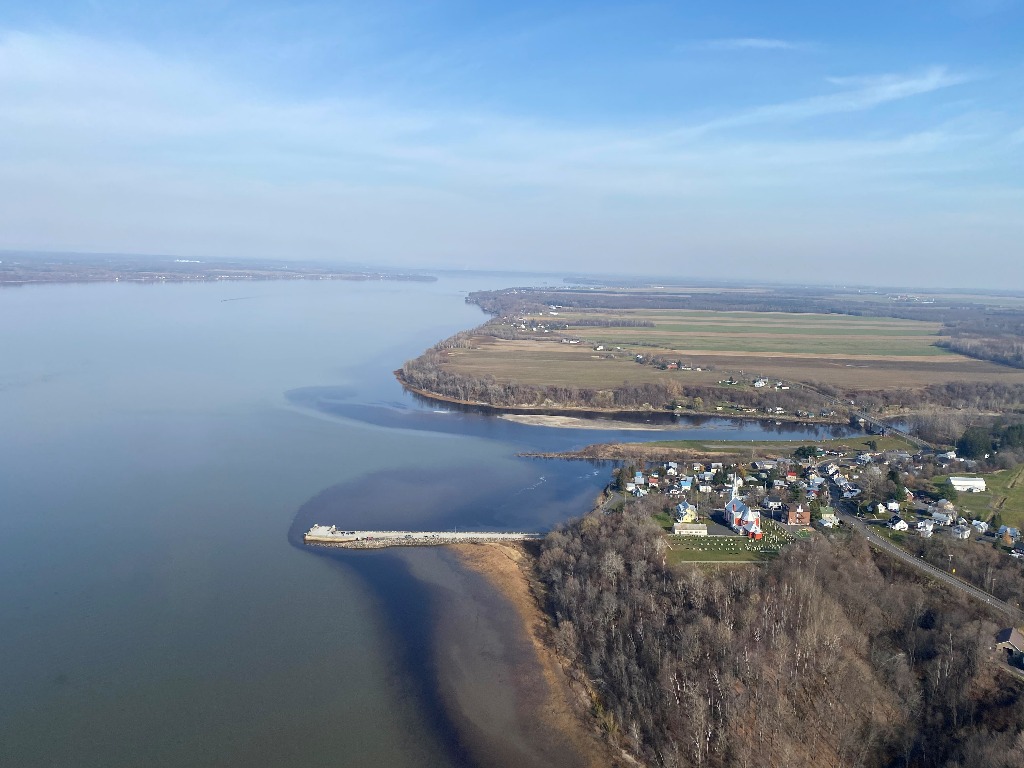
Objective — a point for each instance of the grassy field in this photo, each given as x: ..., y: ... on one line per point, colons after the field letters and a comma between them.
x: 716, y: 549
x: 767, y: 332
x: 856, y: 444
x: 1005, y: 497
x: 855, y: 353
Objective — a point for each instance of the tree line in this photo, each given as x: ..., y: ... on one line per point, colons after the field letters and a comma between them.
x: 826, y: 656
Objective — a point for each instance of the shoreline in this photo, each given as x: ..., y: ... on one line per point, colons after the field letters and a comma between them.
x: 507, y: 567
x: 624, y: 414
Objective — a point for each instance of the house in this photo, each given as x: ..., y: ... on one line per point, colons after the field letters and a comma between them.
x: 925, y: 525
x: 685, y: 483
x: 827, y: 513
x: 690, y: 529
x: 897, y: 523
x: 968, y: 484
x: 942, y: 518
x: 686, y: 513
x: 980, y: 526
x: 773, y: 503
x: 1011, y: 640
x: 796, y: 514
x: 961, y: 532
x: 704, y: 488
x: 760, y: 383
x: 892, y: 505
x: 881, y: 509
x: 630, y: 487
x: 672, y: 468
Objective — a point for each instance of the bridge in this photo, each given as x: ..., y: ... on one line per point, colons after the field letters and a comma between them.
x: 330, y: 536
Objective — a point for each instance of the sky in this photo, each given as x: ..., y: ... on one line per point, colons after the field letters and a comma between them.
x: 870, y: 142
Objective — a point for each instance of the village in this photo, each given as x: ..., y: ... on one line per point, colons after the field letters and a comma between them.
x: 758, y: 507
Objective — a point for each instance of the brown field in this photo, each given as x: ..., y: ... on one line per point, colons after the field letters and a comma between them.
x: 547, y: 361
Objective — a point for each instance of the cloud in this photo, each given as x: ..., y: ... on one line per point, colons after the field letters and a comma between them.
x: 115, y: 147
x: 859, y: 94
x: 745, y: 44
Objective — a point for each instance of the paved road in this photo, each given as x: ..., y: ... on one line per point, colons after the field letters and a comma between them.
x: 927, y: 568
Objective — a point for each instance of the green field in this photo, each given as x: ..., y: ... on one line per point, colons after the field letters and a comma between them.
x: 765, y: 332
x: 1005, y: 497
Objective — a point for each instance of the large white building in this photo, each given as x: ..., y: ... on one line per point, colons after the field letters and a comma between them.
x: 971, y: 484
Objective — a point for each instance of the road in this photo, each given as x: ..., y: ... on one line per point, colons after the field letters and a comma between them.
x: 843, y: 507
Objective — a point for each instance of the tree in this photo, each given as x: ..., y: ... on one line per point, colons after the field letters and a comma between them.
x: 947, y: 491
x: 974, y: 443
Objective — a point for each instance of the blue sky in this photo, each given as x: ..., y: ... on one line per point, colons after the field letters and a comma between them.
x: 871, y: 142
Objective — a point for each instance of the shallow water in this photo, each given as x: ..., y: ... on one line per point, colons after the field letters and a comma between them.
x: 161, y: 450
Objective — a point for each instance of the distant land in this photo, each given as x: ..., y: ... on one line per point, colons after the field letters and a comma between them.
x: 38, y: 268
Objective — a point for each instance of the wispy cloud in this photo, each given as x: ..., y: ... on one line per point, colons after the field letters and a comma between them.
x: 860, y: 94
x: 111, y: 146
x: 746, y: 44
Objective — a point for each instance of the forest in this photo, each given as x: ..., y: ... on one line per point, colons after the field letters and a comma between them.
x: 826, y: 656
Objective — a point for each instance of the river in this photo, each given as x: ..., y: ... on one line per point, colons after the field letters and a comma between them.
x: 162, y: 448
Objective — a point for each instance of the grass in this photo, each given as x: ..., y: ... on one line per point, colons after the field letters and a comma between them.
x: 1004, y: 496
x: 768, y: 332
x: 851, y: 445
x: 728, y: 549
x: 855, y: 353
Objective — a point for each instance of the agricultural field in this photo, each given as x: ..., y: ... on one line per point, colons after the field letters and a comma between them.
x: 851, y: 352
x: 766, y: 332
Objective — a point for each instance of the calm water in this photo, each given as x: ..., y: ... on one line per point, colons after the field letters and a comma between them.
x: 161, y: 447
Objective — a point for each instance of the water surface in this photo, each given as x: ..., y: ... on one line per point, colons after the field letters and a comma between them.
x: 162, y: 449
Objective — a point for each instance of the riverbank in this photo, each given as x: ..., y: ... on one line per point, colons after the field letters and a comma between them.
x: 560, y: 706
x: 623, y: 414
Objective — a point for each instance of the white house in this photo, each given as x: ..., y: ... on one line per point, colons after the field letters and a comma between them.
x: 969, y: 484
x: 897, y: 523
x: 980, y: 526
x: 961, y: 532
x: 941, y: 518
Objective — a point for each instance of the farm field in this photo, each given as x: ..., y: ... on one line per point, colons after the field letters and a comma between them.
x: 765, y: 332
x: 853, y: 353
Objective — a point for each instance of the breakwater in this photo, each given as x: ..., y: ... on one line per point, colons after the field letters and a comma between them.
x: 324, y: 536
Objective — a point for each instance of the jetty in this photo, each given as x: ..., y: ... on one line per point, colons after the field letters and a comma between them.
x: 330, y: 536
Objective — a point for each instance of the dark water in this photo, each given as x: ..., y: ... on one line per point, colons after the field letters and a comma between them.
x: 161, y: 448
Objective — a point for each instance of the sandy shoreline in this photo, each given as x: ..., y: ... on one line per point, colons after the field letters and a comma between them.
x: 565, y: 706
x: 579, y: 422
